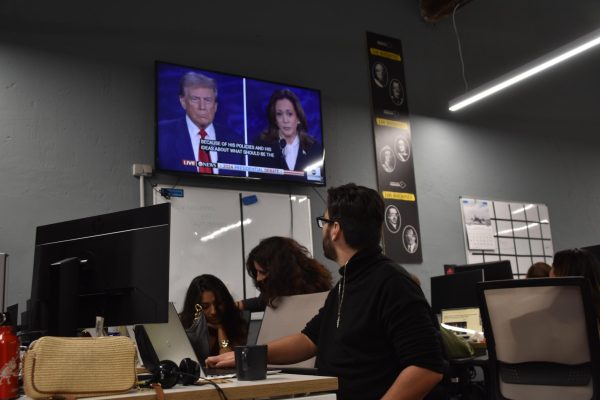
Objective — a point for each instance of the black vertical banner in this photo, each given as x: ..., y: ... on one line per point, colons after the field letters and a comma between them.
x: 393, y: 149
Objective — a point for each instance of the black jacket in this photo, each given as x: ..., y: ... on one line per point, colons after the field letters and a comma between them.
x: 385, y: 326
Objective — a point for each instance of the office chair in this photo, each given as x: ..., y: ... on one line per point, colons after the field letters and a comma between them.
x: 542, y: 339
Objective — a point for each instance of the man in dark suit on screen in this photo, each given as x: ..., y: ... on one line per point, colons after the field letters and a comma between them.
x: 182, y: 143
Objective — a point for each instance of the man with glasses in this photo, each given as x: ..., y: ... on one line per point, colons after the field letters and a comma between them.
x: 184, y: 143
x: 376, y: 332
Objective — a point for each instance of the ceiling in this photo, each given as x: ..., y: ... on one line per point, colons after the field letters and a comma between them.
x: 496, y: 37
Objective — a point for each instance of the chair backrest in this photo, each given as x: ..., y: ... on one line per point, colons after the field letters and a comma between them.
x: 290, y: 316
x: 542, y: 338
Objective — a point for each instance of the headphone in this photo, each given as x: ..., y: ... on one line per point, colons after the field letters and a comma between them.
x: 168, y: 374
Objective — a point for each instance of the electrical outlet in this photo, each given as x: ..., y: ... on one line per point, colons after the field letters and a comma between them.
x: 142, y: 170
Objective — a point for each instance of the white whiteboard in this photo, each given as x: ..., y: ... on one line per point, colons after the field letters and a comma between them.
x: 520, y: 232
x: 206, y: 234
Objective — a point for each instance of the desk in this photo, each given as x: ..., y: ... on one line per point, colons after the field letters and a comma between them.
x: 278, y: 385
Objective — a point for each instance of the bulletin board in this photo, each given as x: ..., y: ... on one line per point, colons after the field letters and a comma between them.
x: 506, y: 230
x: 212, y: 232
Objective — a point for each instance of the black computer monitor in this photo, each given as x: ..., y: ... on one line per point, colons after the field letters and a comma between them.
x: 455, y: 291
x: 113, y: 265
x: 492, y: 271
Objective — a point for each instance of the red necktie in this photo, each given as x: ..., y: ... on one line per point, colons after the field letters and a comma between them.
x: 203, y: 155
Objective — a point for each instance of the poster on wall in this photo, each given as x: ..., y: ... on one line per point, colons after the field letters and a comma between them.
x: 478, y: 224
x: 393, y: 149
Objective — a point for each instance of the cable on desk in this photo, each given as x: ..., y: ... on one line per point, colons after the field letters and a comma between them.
x: 160, y: 394
x: 219, y: 390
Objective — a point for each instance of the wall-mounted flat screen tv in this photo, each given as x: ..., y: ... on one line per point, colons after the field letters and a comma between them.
x: 215, y: 124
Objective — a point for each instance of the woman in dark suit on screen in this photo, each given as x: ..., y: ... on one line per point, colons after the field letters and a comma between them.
x: 286, y: 137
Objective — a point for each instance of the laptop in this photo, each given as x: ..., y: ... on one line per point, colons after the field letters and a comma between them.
x: 464, y: 318
x: 169, y: 341
x: 290, y: 316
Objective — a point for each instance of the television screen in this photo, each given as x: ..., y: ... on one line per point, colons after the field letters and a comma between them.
x: 216, y: 124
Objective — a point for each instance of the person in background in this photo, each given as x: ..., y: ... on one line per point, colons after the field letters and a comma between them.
x: 280, y: 266
x: 396, y: 92
x: 410, y: 239
x: 579, y: 262
x: 402, y: 149
x: 392, y: 217
x: 287, y: 137
x: 208, y: 295
x: 376, y: 331
x: 539, y: 270
x: 455, y: 347
x: 380, y: 75
x: 388, y: 163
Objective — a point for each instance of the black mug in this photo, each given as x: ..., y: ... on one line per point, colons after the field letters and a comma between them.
x: 251, y: 362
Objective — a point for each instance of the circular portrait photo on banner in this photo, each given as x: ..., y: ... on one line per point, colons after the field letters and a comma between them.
x: 380, y: 75
x: 396, y: 92
x: 392, y: 219
x: 402, y: 148
x: 387, y: 159
x: 410, y: 239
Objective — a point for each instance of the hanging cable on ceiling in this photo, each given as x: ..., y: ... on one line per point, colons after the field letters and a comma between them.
x: 460, y: 55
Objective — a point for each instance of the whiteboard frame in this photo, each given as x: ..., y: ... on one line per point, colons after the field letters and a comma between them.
x: 225, y: 255
x: 520, y: 260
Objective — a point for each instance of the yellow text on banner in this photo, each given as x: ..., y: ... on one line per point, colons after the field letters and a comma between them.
x: 399, y: 196
x: 385, y: 54
x: 391, y: 123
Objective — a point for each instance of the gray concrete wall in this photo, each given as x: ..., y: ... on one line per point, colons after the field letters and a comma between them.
x: 76, y: 107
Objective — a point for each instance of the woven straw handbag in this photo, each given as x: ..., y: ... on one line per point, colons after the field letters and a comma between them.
x: 79, y: 367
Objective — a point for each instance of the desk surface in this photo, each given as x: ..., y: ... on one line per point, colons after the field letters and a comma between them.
x: 276, y: 385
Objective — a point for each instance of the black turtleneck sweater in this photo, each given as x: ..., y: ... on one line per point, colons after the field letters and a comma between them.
x: 385, y: 326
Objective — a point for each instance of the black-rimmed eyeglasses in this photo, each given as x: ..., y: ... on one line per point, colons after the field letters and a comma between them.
x: 321, y: 221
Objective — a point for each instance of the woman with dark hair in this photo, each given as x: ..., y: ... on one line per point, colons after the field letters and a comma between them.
x: 207, y: 295
x: 539, y: 270
x: 280, y: 266
x: 286, y: 136
x: 579, y: 262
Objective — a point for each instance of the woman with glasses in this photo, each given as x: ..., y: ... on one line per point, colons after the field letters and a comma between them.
x: 207, y: 299
x: 280, y: 266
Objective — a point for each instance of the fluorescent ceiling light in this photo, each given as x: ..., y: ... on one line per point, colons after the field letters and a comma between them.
x: 559, y: 55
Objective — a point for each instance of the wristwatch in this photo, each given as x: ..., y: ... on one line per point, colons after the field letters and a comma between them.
x: 224, y: 343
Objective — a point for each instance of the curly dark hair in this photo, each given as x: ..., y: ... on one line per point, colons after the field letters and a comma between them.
x: 580, y: 262
x: 272, y: 132
x: 229, y: 315
x: 291, y: 269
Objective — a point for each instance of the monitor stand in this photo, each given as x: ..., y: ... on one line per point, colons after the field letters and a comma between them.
x: 64, y: 274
